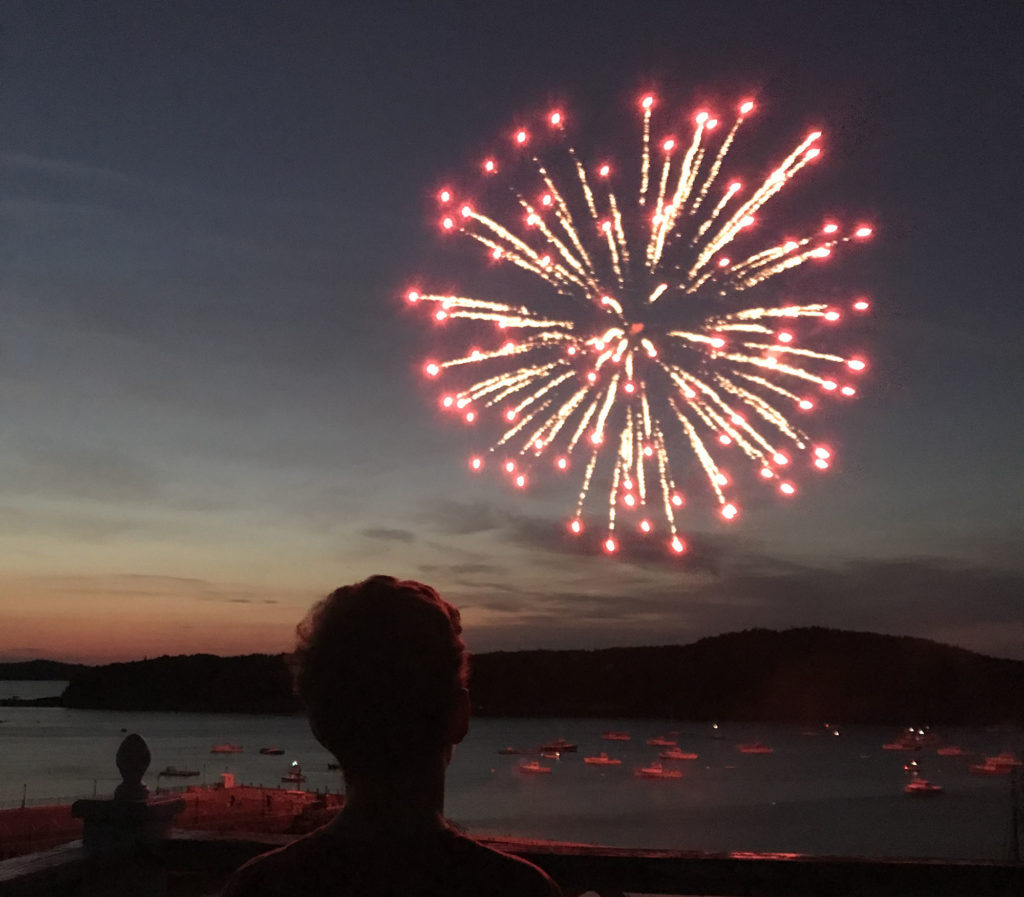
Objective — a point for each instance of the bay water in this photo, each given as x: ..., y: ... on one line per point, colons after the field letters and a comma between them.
x: 816, y: 793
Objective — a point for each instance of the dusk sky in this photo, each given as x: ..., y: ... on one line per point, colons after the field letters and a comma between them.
x: 212, y: 410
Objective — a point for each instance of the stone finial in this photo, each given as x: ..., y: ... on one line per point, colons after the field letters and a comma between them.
x: 120, y: 825
x: 133, y: 760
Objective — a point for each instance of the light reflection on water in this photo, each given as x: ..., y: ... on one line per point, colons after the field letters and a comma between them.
x: 818, y: 795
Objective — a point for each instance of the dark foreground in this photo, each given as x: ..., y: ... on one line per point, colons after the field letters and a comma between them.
x: 196, y: 864
x: 218, y: 829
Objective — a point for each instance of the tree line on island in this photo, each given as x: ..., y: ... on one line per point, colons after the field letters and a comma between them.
x: 799, y: 675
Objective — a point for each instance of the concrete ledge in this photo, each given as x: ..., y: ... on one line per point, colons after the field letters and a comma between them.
x: 52, y: 871
x: 120, y: 825
x: 197, y: 863
x: 607, y: 870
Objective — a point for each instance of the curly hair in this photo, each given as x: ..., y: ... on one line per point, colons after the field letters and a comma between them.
x: 378, y: 667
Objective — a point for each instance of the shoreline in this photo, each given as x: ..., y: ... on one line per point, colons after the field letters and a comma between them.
x: 1011, y: 726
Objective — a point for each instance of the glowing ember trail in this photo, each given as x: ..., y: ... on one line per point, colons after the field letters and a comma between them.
x: 640, y: 352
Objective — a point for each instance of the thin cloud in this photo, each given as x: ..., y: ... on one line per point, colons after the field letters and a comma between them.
x: 74, y: 171
x: 550, y: 542
x: 461, y: 571
x: 144, y: 586
x: 386, y: 534
x: 974, y: 606
x: 458, y: 518
x: 106, y: 473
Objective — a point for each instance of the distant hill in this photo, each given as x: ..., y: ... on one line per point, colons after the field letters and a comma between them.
x: 254, y: 683
x: 799, y: 675
x: 39, y: 670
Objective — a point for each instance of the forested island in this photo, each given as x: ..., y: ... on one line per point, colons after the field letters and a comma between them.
x: 39, y: 670
x: 799, y: 675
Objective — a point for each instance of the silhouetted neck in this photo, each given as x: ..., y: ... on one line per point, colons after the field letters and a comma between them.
x: 407, y: 802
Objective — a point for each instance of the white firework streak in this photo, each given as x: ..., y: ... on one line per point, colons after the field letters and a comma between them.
x: 641, y: 353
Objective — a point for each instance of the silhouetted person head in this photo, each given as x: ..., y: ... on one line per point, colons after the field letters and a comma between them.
x: 381, y: 670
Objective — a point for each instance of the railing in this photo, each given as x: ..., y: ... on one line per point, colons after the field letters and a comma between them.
x: 15, y: 803
x: 105, y: 788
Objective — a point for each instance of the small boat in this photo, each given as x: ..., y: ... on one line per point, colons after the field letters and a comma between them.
x: 754, y: 747
x: 676, y: 754
x: 999, y: 765
x: 174, y: 771
x: 602, y: 759
x: 921, y: 788
x: 616, y: 736
x: 515, y: 750
x: 275, y: 751
x: 533, y: 766
x: 988, y: 769
x: 912, y: 739
x: 226, y: 749
x: 560, y: 745
x: 295, y: 775
x: 657, y: 771
x: 551, y: 755
x: 661, y: 741
x: 952, y: 750
x: 905, y: 741
x: 918, y: 785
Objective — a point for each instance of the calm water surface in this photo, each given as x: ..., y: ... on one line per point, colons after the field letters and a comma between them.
x: 816, y: 794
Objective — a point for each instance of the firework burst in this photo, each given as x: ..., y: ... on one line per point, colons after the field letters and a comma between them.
x: 640, y: 349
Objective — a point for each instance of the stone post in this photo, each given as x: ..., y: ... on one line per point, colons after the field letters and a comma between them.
x: 123, y: 833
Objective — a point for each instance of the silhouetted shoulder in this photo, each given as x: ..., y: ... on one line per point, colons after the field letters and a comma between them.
x: 444, y: 865
x: 500, y: 873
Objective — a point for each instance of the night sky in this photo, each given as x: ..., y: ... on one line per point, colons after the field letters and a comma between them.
x: 211, y: 405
